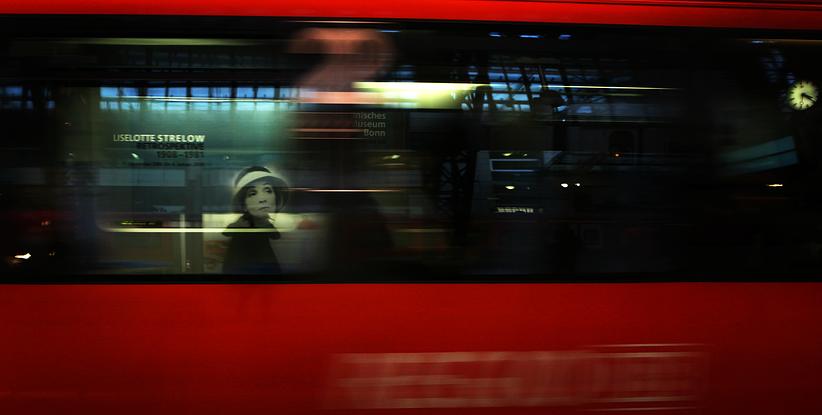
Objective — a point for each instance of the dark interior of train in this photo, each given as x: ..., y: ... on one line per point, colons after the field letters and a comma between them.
x: 405, y: 151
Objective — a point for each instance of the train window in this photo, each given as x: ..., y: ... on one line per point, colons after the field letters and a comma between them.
x: 431, y: 151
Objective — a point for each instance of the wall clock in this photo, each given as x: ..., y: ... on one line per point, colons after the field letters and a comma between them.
x: 802, y: 95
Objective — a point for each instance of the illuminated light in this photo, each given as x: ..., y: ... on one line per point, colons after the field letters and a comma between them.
x: 507, y: 154
x: 791, y: 41
x: 615, y: 94
x: 433, y: 95
x: 390, y: 31
x: 140, y: 223
x: 45, y: 222
x: 644, y: 88
x: 308, y: 189
x: 564, y: 185
x: 577, y: 184
x: 52, y: 253
x: 530, y: 36
x: 134, y: 156
x: 564, y: 36
x: 510, y: 187
x: 421, y: 87
x: 137, y: 41
x: 514, y: 209
x: 495, y: 34
x: 189, y: 230
x: 776, y: 185
x: 757, y: 42
x: 395, y: 156
x: 617, y: 155
x: 24, y: 256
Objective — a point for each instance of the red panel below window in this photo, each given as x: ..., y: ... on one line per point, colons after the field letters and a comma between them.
x: 695, y: 348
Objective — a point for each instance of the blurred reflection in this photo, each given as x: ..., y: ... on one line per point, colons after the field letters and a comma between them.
x: 566, y: 248
x: 359, y: 241
x: 607, y: 377
x: 407, y: 157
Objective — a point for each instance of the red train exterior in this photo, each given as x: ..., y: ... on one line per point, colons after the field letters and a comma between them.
x: 665, y: 348
x: 401, y: 348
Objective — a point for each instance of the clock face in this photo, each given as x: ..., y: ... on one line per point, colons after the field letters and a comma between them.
x: 802, y: 95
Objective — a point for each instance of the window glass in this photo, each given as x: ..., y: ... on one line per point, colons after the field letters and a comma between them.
x: 415, y: 151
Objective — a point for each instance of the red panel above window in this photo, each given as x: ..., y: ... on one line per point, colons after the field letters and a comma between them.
x: 734, y: 14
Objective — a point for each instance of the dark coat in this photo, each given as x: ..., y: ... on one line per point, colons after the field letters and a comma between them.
x: 250, y: 252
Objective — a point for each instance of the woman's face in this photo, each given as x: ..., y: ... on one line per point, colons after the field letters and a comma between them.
x: 260, y: 200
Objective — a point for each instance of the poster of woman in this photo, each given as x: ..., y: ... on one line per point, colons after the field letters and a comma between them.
x: 258, y: 196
